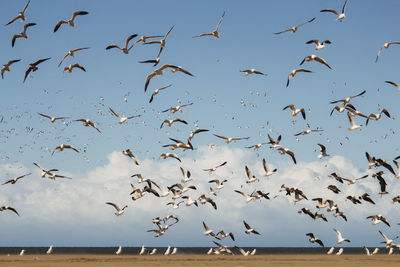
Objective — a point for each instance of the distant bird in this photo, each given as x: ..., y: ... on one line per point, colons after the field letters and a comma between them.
x: 376, y: 250
x: 256, y: 146
x: 125, y: 49
x: 119, y: 211
x: 252, y: 71
x: 71, y: 53
x: 308, y: 132
x: 6, y: 67
x: 52, y: 119
x: 365, y: 196
x: 14, y: 180
x: 21, y: 15
x: 3, y: 208
x: 153, y: 61
x: 378, y: 219
x: 334, y: 189
x: 177, y: 108
x: 208, y: 231
x: 283, y: 151
x: 87, y: 122
x: 323, y: 151
x: 161, y: 42
x: 170, y: 122
x: 340, y: 16
x: 121, y: 118
x: 296, y: 111
x: 119, y: 250
x: 44, y: 171
x: 50, y: 250
x: 242, y: 251
x: 274, y: 143
x: 62, y: 147
x: 340, y: 252
x: 340, y: 238
x: 71, y: 21
x: 129, y: 153
x: 385, y: 46
x: 33, y: 67
x: 346, y: 100
x: 157, y: 91
x: 230, y: 139
x: 250, y: 177
x: 21, y: 34
x: 192, y: 134
x: 318, y: 45
x: 145, y: 37
x: 293, y: 73
x: 316, y: 58
x: 388, y: 242
x: 295, y: 28
x: 378, y: 115
x: 215, y: 32
x: 219, y: 183
x: 22, y: 252
x: 314, y: 239
x: 72, y: 66
x: 353, y: 124
x: 330, y: 251
x: 267, y: 170
x: 170, y: 155
x: 160, y: 71
x: 249, y: 229
x: 394, y: 84
x: 213, y: 169
x: 174, y: 251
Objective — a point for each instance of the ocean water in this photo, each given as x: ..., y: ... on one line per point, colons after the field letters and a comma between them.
x: 181, y: 251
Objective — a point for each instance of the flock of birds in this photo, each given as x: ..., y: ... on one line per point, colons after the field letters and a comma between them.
x: 181, y: 193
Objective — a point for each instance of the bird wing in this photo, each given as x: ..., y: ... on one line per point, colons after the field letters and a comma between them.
x: 322, y: 61
x: 339, y: 235
x: 59, y: 23
x: 203, y: 34
x: 148, y: 78
x: 115, y: 113
x: 114, y: 205
x: 113, y: 46
x: 78, y: 13
x: 330, y: 10
x: 27, y: 73
x: 344, y: 6
x: 246, y: 225
x: 311, y: 20
x: 288, y: 30
x: 129, y: 39
x: 40, y: 61
x: 27, y: 25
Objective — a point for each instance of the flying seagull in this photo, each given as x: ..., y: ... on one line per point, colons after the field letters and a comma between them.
x: 340, y: 16
x: 72, y: 66
x: 160, y: 71
x: 316, y: 58
x: 71, y: 21
x: 121, y: 118
x: 249, y: 229
x: 71, y: 53
x: 318, y: 45
x: 119, y: 211
x: 125, y: 49
x: 87, y: 122
x: 52, y: 119
x: 21, y: 34
x: 339, y: 237
x: 295, y: 28
x: 215, y: 32
x: 293, y: 73
x: 230, y: 139
x: 6, y: 67
x: 14, y: 180
x: 21, y: 15
x: 33, y: 67
x: 252, y: 71
x: 385, y: 46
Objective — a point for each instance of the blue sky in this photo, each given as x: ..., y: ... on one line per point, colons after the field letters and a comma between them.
x: 225, y: 102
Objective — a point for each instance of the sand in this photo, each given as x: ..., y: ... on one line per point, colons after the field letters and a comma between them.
x: 199, y: 260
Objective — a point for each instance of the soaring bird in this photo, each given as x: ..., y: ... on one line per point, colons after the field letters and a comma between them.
x: 157, y: 91
x: 313, y: 239
x: 249, y: 229
x: 125, y: 49
x: 295, y: 28
x: 293, y: 73
x: 121, y: 118
x: 378, y: 219
x: 52, y: 119
x: 129, y: 153
x: 316, y: 58
x: 21, y: 15
x: 6, y: 67
x: 323, y: 151
x: 87, y: 122
x: 160, y: 71
x: 340, y: 16
x: 252, y: 71
x: 71, y: 53
x: 384, y: 46
x: 339, y: 237
x: 14, y: 180
x: 318, y: 45
x: 119, y: 211
x: 210, y: 170
x: 267, y: 170
x: 296, y: 111
x: 3, y: 208
x: 170, y: 155
x: 394, y: 84
x: 71, y: 21
x: 353, y: 124
x: 177, y: 108
x: 378, y: 115
x: 230, y: 139
x: 346, y: 100
x: 21, y: 34
x: 283, y: 151
x: 33, y: 67
x: 215, y: 32
x: 72, y: 66
x: 161, y: 42
x: 170, y: 122
x: 62, y: 147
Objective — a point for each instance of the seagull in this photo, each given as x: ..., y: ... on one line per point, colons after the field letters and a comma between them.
x: 177, y: 108
x: 385, y: 46
x: 274, y: 144
x: 397, y: 164
x: 119, y: 211
x: 230, y: 139
x: 316, y: 58
x: 250, y: 177
x: 22, y: 252
x: 378, y: 219
x: 168, y: 251
x: 323, y: 151
x: 161, y: 42
x: 215, y: 32
x: 174, y: 251
x: 223, y: 235
x: 121, y: 119
x: 190, y: 201
x: 248, y: 197
x: 170, y: 155
x: 256, y: 146
x: 72, y: 54
x: 62, y: 147
x: 394, y: 84
x: 210, y: 170
x: 244, y: 253
x: 71, y: 21
x: 129, y: 153
x: 346, y: 101
x: 125, y: 49
x: 295, y: 28
x: 44, y: 171
x: 249, y: 229
x: 365, y: 196
x: 341, y: 109
x: 314, y: 239
x: 353, y: 124
x: 50, y: 250
x: 252, y: 71
x: 340, y: 251
x: 6, y: 67
x: 52, y: 119
x: 119, y: 251
x: 268, y: 172
x: 160, y: 71
x: 153, y: 251
x: 157, y: 91
x: 388, y: 242
x: 3, y: 208
x: 144, y: 38
x: 170, y: 122
x: 21, y: 34
x: 13, y: 181
x: 21, y: 15
x: 283, y: 150
x: 318, y: 45
x: 340, y: 238
x: 296, y: 111
x: 33, y: 67
x: 330, y: 251
x: 293, y: 73
x: 219, y: 183
x: 192, y: 134
x: 321, y: 203
x: 175, y: 205
x: 142, y: 250
x: 339, y: 16
x: 87, y: 122
x: 208, y: 230
x: 334, y: 189
x: 72, y: 66
x: 154, y: 61
x: 179, y: 144
x: 378, y: 115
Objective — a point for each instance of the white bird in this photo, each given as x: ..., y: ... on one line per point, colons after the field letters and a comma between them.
x: 215, y: 32
x: 353, y: 124
x: 175, y: 205
x: 208, y: 231
x: 213, y: 169
x: 339, y: 237
x: 161, y: 42
x: 230, y: 139
x: 252, y: 71
x: 170, y: 122
x: 323, y: 151
x: 248, y: 197
x: 170, y: 155
x: 385, y: 46
x: 293, y: 73
x: 250, y: 177
x: 219, y: 183
x: 124, y: 49
x: 157, y: 91
x: 87, y: 122
x: 378, y: 115
x: 121, y: 118
x: 388, y: 242
x: 318, y: 45
x: 71, y: 21
x: 378, y: 219
x: 50, y: 250
x: 167, y: 251
x: 129, y: 153
x: 153, y: 251
x: 296, y: 111
x: 72, y: 66
x: 340, y: 251
x: 22, y: 252
x: 119, y: 250
x: 340, y: 16
x: 316, y: 58
x: 160, y: 71
x: 62, y: 147
x: 295, y: 28
x: 267, y: 170
x: 283, y: 151
x: 119, y: 211
x: 52, y: 119
x: 142, y: 250
x: 174, y: 251
x: 330, y: 251
x: 190, y: 201
x: 21, y: 15
x: 242, y: 251
x: 249, y: 229
x: 21, y: 34
x: 390, y: 251
x: 71, y: 53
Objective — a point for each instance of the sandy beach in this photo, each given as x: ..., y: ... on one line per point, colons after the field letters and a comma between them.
x: 198, y: 260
